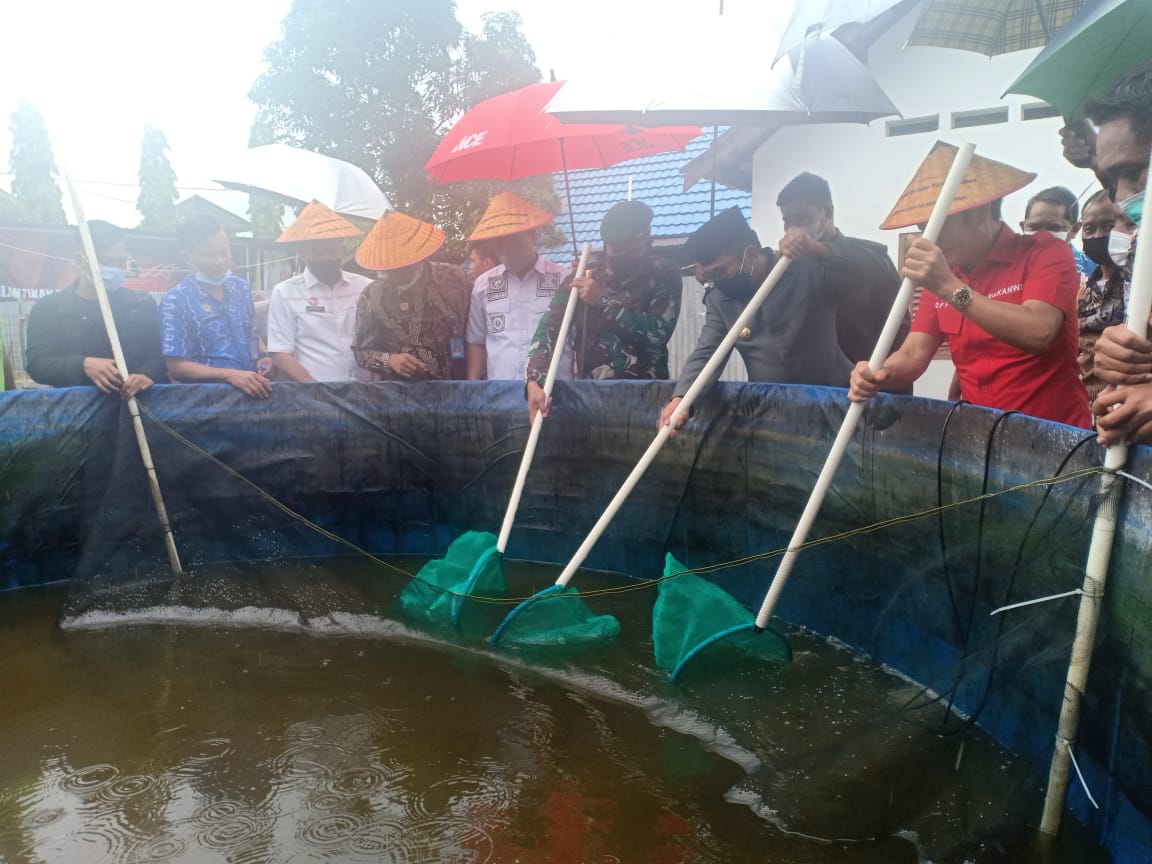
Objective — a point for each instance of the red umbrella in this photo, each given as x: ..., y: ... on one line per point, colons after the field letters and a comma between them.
x: 508, y: 137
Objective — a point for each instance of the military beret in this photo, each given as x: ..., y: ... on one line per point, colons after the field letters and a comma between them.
x: 626, y: 221
x: 725, y: 231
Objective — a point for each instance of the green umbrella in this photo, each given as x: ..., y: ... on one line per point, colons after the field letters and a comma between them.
x: 1101, y: 43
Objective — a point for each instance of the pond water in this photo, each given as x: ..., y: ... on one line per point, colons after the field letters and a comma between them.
x: 363, y: 740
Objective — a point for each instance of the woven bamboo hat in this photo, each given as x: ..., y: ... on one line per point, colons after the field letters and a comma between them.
x: 397, y: 241
x: 508, y: 214
x: 317, y: 222
x: 984, y: 181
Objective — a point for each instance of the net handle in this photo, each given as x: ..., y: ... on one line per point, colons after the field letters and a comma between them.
x: 702, y: 382
x: 122, y: 366
x: 856, y: 409
x: 538, y: 421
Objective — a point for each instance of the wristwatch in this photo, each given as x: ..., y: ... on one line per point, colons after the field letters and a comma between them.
x: 961, y: 297
x: 384, y: 362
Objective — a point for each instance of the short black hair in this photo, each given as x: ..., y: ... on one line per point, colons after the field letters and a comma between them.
x: 1061, y: 197
x: 484, y: 248
x: 1129, y: 97
x: 105, y: 235
x: 806, y: 188
x: 196, y: 228
x: 1097, y: 197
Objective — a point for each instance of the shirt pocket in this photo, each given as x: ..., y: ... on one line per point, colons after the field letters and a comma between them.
x: 950, y: 320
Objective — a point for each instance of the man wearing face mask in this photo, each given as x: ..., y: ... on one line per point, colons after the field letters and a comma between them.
x: 626, y: 313
x: 508, y: 301
x: 410, y: 321
x: 312, y: 316
x: 67, y: 343
x: 1123, y: 359
x: 1103, y: 297
x: 792, y: 339
x: 1057, y: 210
x: 206, y: 322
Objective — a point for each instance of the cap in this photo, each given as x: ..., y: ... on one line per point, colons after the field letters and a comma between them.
x: 626, y: 220
x: 726, y: 230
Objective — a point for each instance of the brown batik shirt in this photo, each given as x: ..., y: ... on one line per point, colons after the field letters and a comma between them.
x: 426, y: 319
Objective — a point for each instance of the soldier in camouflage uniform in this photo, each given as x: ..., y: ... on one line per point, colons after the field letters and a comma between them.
x: 626, y: 314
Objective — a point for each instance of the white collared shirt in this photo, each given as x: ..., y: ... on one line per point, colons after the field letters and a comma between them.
x: 504, y: 312
x: 316, y: 324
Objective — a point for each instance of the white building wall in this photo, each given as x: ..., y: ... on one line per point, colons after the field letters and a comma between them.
x: 868, y: 170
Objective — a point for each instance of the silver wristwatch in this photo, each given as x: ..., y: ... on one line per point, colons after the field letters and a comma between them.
x: 961, y: 297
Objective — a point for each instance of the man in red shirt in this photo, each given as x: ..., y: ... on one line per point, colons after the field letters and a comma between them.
x: 1005, y: 302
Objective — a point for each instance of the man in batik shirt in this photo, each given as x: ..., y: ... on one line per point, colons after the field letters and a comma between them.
x: 626, y: 313
x: 410, y: 322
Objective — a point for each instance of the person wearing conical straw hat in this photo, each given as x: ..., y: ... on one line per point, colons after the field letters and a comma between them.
x: 508, y: 301
x: 312, y: 315
x: 1004, y: 302
x: 410, y: 322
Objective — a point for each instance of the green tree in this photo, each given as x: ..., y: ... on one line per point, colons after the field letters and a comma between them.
x: 265, y: 211
x: 38, y: 197
x: 157, y: 199
x: 378, y: 85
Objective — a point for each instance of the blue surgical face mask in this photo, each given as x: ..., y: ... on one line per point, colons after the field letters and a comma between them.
x: 1133, y: 207
x: 113, y: 277
x: 208, y: 280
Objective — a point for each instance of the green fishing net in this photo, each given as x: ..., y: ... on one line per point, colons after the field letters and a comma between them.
x: 692, y: 614
x: 471, y: 566
x: 555, y: 616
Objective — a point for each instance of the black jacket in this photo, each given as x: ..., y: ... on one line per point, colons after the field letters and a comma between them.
x: 64, y: 328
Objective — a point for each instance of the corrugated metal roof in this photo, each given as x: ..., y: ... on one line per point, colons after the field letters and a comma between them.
x: 657, y: 181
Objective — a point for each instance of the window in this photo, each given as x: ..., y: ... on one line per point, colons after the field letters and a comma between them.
x: 912, y: 125
x: 980, y: 117
x: 1038, y: 111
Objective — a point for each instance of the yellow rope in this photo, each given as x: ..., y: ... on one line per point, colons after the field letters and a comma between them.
x: 635, y: 585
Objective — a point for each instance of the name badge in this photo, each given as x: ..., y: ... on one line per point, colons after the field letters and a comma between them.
x: 313, y: 308
x: 456, y: 348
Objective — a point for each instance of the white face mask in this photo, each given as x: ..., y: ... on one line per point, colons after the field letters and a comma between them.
x: 1118, y: 246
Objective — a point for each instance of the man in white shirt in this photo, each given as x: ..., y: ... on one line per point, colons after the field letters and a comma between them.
x: 509, y: 300
x: 312, y: 316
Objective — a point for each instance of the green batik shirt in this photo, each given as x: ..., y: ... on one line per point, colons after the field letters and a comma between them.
x: 625, y: 335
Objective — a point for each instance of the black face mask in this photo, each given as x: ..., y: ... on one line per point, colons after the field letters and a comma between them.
x: 738, y: 287
x: 327, y: 272
x: 624, y: 267
x: 1096, y: 248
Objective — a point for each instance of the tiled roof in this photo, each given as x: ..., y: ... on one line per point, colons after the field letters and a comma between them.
x: 657, y: 181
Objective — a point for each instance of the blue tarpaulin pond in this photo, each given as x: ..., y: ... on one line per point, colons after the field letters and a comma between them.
x: 405, y: 469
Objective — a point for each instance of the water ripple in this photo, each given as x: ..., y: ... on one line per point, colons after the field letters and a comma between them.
x: 90, y: 778
x: 466, y: 797
x: 333, y: 830
x: 162, y: 848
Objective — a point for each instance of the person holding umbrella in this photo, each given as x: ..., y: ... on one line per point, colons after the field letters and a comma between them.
x: 1005, y: 302
x: 628, y: 309
x: 410, y: 322
x: 508, y: 301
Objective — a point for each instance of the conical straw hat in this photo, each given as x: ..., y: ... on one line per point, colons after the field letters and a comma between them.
x: 317, y: 222
x: 508, y: 214
x: 984, y: 181
x: 398, y: 241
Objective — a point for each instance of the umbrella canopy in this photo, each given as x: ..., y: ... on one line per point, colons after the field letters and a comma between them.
x: 302, y: 176
x: 991, y: 26
x: 1104, y: 41
x: 507, y: 137
x: 813, y: 17
x: 824, y: 84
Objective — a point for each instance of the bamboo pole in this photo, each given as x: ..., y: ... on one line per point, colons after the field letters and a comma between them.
x: 122, y: 366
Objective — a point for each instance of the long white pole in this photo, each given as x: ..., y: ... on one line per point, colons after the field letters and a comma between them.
x: 118, y: 356
x: 538, y: 421
x: 1096, y: 568
x: 856, y: 409
x: 704, y: 380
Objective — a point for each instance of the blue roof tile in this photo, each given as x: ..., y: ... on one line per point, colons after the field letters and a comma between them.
x: 657, y: 181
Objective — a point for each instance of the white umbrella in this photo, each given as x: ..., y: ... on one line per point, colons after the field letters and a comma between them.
x: 813, y: 17
x: 827, y: 84
x: 303, y: 176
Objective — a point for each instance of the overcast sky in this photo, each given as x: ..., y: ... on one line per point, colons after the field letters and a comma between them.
x: 98, y: 71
